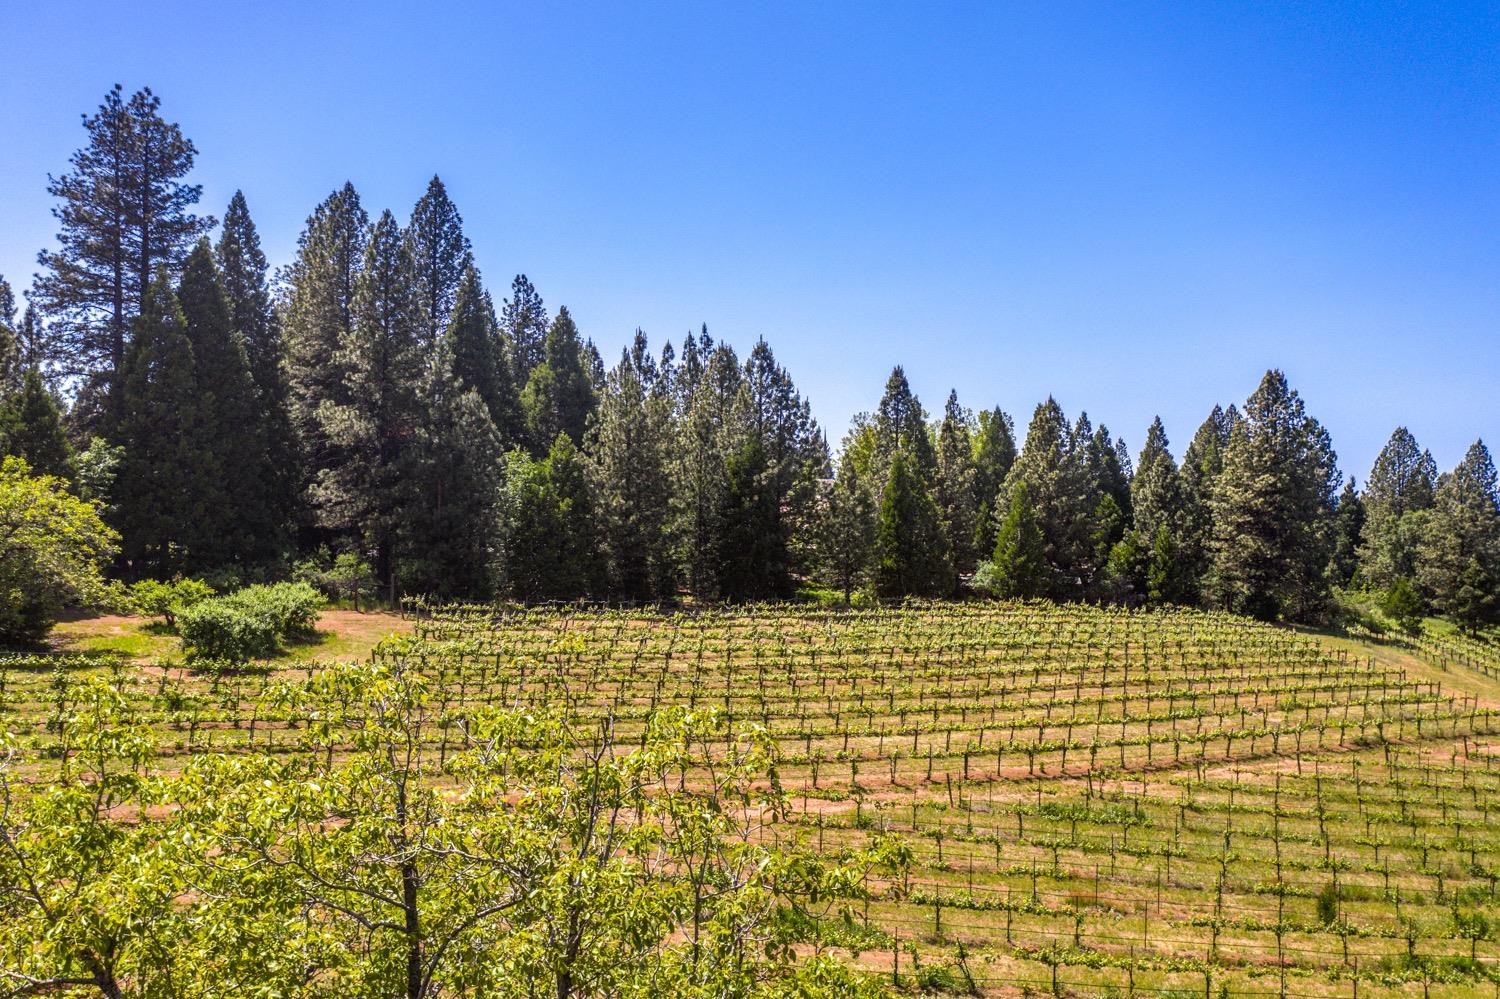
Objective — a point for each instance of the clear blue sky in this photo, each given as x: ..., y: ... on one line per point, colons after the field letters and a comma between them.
x: 1135, y: 208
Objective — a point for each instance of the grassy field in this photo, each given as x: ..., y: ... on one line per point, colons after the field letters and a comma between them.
x: 1097, y: 802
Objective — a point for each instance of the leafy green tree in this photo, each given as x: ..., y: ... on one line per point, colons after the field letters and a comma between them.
x: 523, y: 318
x: 396, y: 867
x: 559, y: 395
x: 32, y: 424
x: 953, y: 486
x: 53, y: 549
x: 911, y: 553
x: 628, y: 445
x: 166, y: 482
x: 1401, y: 488
x: 124, y: 213
x: 994, y: 452
x: 91, y: 901
x: 359, y: 487
x: 1273, y: 507
x: 440, y: 255
x: 1019, y: 566
x: 1458, y: 561
x: 243, y: 271
x: 479, y: 355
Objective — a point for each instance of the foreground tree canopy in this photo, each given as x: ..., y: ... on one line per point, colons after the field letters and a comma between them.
x: 373, y: 402
x: 528, y: 857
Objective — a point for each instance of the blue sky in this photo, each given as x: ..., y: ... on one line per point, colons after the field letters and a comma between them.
x: 1136, y: 208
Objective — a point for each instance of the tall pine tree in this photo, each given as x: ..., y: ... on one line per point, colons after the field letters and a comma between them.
x: 359, y: 488
x: 243, y: 270
x: 124, y: 213
x: 559, y: 395
x: 994, y: 453
x: 1458, y: 561
x: 1399, y: 491
x: 524, y: 320
x: 440, y: 255
x: 238, y: 530
x: 1273, y: 507
x: 911, y: 553
x: 163, y: 492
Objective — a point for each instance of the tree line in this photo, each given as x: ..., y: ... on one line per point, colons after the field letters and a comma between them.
x: 370, y: 401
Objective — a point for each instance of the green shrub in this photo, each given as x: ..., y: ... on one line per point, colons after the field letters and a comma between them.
x: 217, y: 629
x: 1402, y: 604
x: 290, y: 609
x: 154, y: 598
x: 249, y: 624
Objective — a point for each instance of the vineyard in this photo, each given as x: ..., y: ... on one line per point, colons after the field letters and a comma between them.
x: 1088, y: 802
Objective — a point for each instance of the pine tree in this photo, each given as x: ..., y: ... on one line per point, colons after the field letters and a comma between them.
x: 11, y: 366
x: 900, y: 426
x: 753, y: 562
x: 1158, y: 514
x: 1272, y: 509
x: 318, y: 320
x: 845, y: 532
x: 161, y: 494
x: 237, y: 530
x: 1019, y: 567
x: 1400, y: 489
x: 479, y: 361
x: 559, y: 395
x: 1156, y: 490
x: 524, y: 321
x: 713, y: 425
x: 440, y: 256
x: 578, y: 568
x: 33, y: 428
x: 451, y: 474
x: 243, y: 270
x: 1458, y: 561
x: 795, y: 450
x: 953, y: 486
x: 358, y: 493
x: 124, y: 213
x: 1201, y: 465
x: 1057, y: 489
x: 994, y: 453
x: 911, y: 554
x: 1348, y: 531
x: 628, y: 443
x: 33, y: 342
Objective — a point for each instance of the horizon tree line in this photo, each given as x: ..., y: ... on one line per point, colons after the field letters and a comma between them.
x: 370, y: 398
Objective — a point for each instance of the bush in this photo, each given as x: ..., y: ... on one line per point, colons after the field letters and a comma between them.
x: 217, y: 629
x: 1403, y: 605
x: 154, y: 598
x: 249, y: 624
x: 290, y: 609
